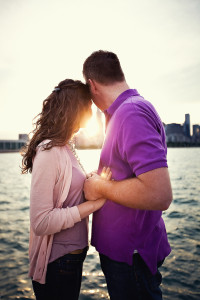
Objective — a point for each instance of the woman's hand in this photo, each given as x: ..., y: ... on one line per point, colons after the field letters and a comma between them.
x: 88, y: 207
x: 91, y: 174
x: 92, y: 182
x: 105, y: 174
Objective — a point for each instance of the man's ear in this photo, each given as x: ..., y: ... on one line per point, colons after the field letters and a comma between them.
x: 93, y: 87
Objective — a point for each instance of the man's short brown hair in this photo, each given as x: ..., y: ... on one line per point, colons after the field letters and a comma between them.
x: 104, y: 67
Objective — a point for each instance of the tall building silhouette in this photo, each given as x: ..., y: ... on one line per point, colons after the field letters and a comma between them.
x: 186, y: 125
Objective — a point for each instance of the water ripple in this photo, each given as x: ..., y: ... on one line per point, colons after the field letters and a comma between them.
x: 181, y: 269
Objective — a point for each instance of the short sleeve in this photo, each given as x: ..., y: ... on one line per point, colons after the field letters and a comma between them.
x: 141, y: 143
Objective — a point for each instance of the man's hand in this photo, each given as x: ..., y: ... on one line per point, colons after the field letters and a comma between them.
x: 106, y: 173
x: 149, y: 191
x: 92, y: 183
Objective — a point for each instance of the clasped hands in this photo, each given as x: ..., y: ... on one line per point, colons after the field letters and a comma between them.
x: 93, y: 182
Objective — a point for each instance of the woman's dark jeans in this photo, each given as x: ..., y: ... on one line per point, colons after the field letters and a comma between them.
x: 63, y: 279
x: 125, y: 282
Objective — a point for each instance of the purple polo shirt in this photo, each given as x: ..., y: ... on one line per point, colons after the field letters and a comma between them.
x: 134, y: 144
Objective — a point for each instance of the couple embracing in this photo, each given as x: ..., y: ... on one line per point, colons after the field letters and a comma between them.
x: 127, y: 202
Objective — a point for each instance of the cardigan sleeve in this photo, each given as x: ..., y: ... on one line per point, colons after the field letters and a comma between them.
x: 45, y: 219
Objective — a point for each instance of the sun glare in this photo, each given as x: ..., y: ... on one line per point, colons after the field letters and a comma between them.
x: 93, y: 134
x: 92, y: 127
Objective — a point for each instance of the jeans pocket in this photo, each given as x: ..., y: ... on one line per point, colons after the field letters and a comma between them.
x: 68, y: 264
x: 155, y: 281
x: 70, y: 267
x: 146, y: 282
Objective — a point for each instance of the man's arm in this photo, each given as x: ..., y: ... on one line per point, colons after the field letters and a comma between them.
x: 149, y: 191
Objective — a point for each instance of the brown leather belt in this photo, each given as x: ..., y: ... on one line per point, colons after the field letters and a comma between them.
x: 78, y: 251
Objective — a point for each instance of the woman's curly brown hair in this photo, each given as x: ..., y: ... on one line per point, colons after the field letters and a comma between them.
x: 61, y: 115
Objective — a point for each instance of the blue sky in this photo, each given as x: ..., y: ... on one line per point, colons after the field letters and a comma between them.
x: 44, y: 42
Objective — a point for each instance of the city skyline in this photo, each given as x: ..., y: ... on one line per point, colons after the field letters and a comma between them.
x: 191, y: 125
x: 177, y: 135
x: 44, y: 42
x: 95, y: 126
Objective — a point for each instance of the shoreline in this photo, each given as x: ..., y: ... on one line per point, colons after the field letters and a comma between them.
x: 94, y: 148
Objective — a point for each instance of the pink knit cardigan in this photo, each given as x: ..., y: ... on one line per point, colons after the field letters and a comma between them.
x: 51, y: 179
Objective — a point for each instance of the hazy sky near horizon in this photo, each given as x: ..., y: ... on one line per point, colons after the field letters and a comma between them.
x: 44, y: 42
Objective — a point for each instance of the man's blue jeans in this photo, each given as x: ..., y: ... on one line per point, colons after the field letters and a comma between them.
x: 63, y: 279
x: 125, y: 282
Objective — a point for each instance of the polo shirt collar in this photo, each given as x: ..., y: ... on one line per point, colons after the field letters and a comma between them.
x: 120, y: 99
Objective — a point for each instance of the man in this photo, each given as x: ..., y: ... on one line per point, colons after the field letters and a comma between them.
x: 128, y: 231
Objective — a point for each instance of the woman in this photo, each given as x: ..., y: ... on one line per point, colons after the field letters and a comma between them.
x: 58, y: 213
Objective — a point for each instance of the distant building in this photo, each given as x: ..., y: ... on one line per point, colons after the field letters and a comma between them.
x: 13, y: 145
x: 175, y: 133
x: 24, y: 137
x: 179, y: 135
x: 173, y: 128
x: 196, y: 130
x: 196, y: 133
x: 186, y: 125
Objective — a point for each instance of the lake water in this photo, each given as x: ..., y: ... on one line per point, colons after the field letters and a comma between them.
x: 181, y: 270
